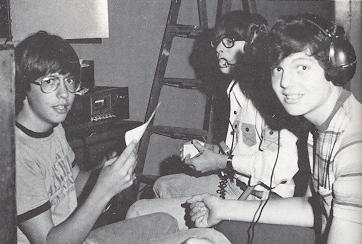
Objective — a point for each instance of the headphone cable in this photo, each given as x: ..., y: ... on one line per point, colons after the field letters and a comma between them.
x: 251, y: 229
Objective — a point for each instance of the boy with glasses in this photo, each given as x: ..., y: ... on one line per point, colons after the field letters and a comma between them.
x: 47, y: 178
x: 310, y: 61
x: 255, y: 152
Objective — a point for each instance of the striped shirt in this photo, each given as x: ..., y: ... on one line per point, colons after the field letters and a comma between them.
x: 335, y: 151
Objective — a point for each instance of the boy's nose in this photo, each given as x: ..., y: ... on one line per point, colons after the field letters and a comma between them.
x: 284, y: 80
x: 219, y: 53
x: 62, y: 91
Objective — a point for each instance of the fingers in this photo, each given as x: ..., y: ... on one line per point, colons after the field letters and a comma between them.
x: 111, y: 155
x: 110, y: 161
x: 181, y: 153
x: 187, y: 159
x: 199, y: 216
x: 127, y: 158
x: 197, y: 198
x: 198, y: 145
x: 209, y: 146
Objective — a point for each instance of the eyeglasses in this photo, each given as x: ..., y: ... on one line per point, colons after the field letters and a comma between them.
x: 51, y: 83
x: 227, y: 41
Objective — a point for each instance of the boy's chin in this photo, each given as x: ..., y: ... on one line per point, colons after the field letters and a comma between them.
x: 225, y: 71
x: 293, y: 111
x: 59, y: 119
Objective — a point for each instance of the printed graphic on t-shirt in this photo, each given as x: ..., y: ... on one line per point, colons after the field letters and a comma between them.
x: 62, y: 180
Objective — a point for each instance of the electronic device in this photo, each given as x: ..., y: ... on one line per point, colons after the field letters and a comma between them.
x: 102, y: 103
x: 342, y: 56
x: 87, y: 73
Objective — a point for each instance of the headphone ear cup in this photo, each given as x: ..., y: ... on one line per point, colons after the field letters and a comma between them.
x: 342, y: 58
x: 255, y: 31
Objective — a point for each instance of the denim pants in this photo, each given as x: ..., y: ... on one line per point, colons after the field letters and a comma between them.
x: 182, y: 185
x: 238, y: 233
x: 141, y: 230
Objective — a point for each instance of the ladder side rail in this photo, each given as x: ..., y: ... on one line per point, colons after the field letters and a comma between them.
x: 248, y: 6
x: 209, y: 118
x: 223, y: 6
x: 142, y: 151
x: 163, y: 57
x: 252, y: 5
x: 156, y: 85
x: 202, y: 10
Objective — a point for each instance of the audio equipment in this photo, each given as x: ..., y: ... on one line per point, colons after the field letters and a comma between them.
x: 256, y: 28
x: 87, y: 74
x: 102, y: 103
x: 341, y: 54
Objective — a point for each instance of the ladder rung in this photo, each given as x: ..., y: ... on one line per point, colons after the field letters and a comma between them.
x: 183, y: 83
x: 179, y: 132
x: 187, y: 31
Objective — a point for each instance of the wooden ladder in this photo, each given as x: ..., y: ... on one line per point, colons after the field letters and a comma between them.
x: 173, y: 29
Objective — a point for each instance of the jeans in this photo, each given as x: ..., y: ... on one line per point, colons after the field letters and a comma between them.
x: 141, y: 230
x: 237, y: 232
x: 182, y: 185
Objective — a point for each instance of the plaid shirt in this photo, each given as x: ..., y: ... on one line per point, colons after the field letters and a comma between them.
x: 335, y: 151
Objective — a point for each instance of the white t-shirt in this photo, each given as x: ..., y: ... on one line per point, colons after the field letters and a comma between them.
x: 44, y: 177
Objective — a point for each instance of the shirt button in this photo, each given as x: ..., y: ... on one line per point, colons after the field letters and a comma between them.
x: 271, y: 132
x: 235, y: 112
x: 247, y: 129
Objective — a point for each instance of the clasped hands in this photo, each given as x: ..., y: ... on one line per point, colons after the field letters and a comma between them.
x: 208, y: 158
x: 205, y: 210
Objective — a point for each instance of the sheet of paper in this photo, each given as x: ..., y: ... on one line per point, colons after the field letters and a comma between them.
x: 189, y: 148
x: 137, y: 133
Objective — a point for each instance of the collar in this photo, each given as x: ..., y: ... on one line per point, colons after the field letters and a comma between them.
x: 33, y: 133
x: 234, y: 90
x: 342, y: 98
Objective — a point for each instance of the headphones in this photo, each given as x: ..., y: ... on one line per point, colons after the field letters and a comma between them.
x: 342, y: 58
x: 256, y: 30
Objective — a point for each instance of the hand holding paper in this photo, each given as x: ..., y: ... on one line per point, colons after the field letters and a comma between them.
x: 189, y: 148
x: 137, y: 133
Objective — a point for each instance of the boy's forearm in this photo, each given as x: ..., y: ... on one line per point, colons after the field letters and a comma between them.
x: 284, y: 211
x: 76, y: 228
x: 81, y: 181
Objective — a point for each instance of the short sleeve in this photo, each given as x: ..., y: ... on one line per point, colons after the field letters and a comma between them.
x: 347, y: 202
x: 30, y: 186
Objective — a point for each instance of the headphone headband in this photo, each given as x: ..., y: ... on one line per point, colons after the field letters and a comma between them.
x: 341, y: 55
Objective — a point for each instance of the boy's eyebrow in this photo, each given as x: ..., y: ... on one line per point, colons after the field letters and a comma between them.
x: 302, y: 57
x: 56, y: 74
